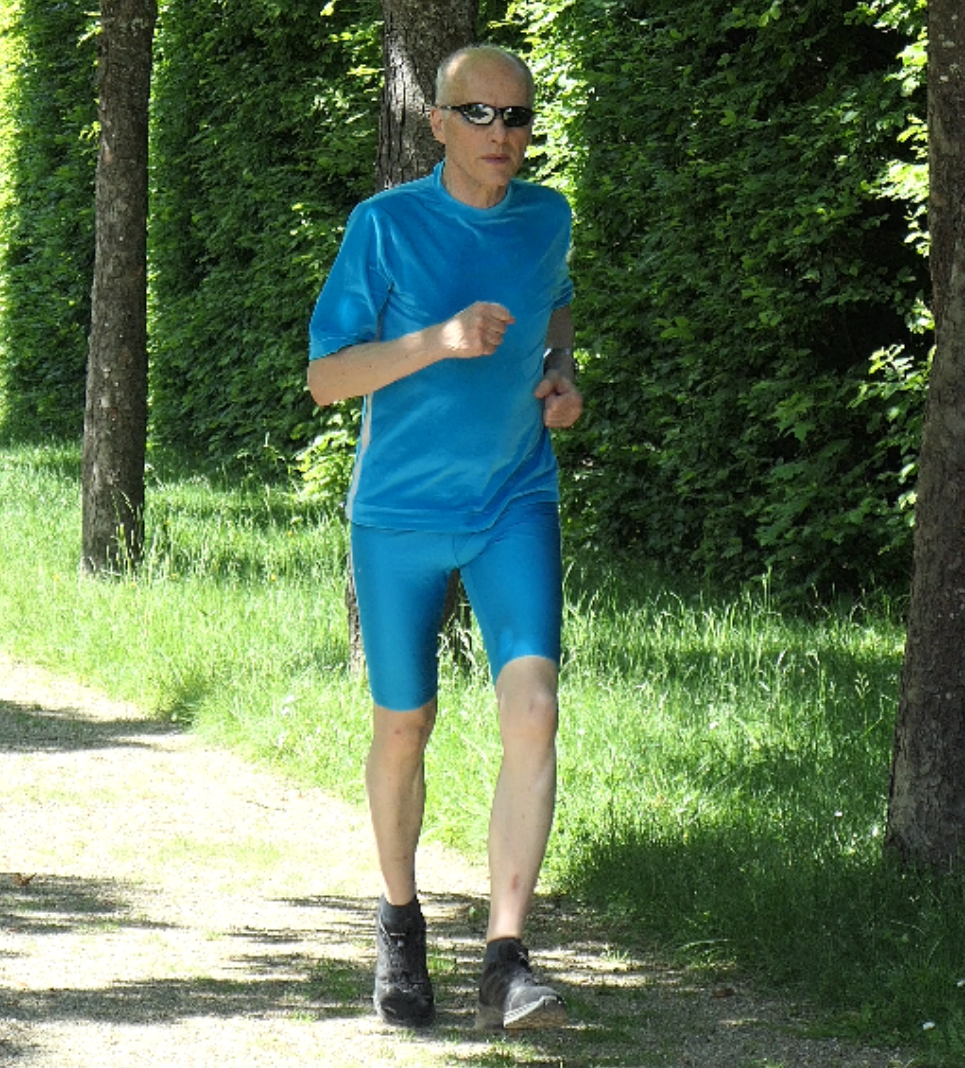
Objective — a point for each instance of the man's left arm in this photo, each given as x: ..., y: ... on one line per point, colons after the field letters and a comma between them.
x: 562, y: 401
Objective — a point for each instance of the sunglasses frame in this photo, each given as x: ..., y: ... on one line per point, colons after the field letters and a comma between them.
x: 463, y: 110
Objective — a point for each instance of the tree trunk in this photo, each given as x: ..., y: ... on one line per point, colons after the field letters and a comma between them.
x: 926, y: 812
x: 115, y: 420
x: 417, y: 36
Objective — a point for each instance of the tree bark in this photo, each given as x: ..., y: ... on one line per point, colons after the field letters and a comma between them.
x: 926, y: 811
x: 417, y: 35
x: 115, y: 420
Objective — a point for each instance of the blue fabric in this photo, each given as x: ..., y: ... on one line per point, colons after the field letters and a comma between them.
x: 513, y: 577
x: 447, y: 448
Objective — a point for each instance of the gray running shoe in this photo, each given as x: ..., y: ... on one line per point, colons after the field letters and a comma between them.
x: 510, y: 997
x: 403, y: 991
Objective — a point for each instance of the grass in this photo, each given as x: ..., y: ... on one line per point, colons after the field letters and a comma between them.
x: 723, y: 762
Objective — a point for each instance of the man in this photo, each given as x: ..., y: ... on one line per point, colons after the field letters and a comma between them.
x: 447, y: 310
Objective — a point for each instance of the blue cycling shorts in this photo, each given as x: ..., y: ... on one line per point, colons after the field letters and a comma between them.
x: 512, y: 574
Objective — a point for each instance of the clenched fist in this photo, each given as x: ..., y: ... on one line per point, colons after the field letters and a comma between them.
x: 476, y: 331
x: 562, y: 401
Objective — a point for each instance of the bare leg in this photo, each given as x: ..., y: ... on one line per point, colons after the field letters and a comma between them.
x: 525, y: 797
x: 395, y: 782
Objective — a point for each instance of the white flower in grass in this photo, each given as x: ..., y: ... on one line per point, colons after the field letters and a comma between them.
x: 960, y: 983
x: 928, y: 1025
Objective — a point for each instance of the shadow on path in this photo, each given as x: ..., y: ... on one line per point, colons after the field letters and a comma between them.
x: 26, y: 728
x: 324, y: 972
x: 53, y: 905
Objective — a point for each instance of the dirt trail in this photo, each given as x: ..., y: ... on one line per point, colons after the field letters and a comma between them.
x: 163, y: 903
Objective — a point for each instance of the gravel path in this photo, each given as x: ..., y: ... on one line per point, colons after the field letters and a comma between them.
x: 163, y: 903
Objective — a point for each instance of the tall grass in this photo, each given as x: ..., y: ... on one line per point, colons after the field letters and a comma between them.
x: 723, y: 762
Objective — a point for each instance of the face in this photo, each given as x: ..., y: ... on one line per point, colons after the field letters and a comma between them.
x: 481, y: 160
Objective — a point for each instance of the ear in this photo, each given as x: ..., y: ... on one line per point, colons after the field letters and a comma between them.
x: 436, y: 118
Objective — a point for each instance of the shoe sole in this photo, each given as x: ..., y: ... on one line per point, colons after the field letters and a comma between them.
x: 387, y: 1016
x: 398, y: 1021
x: 546, y: 1013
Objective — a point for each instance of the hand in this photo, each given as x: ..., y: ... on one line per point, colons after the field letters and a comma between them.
x: 562, y: 401
x: 476, y: 331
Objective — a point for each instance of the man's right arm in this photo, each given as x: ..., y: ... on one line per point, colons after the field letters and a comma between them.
x: 361, y: 369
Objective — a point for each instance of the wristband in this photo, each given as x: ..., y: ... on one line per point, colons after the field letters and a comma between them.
x: 560, y: 350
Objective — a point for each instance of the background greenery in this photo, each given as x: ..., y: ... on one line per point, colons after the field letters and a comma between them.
x: 738, y: 265
x: 48, y: 153
x: 265, y: 120
x: 723, y: 763
x: 747, y: 182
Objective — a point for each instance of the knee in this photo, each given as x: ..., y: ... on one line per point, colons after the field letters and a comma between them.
x: 541, y: 710
x: 529, y: 715
x: 403, y: 736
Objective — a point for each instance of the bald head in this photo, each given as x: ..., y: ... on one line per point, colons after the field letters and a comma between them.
x: 454, y: 67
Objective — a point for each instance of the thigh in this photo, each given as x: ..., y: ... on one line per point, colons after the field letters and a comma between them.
x: 514, y: 582
x: 400, y: 581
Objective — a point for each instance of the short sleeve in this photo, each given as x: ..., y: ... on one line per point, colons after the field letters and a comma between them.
x: 349, y: 309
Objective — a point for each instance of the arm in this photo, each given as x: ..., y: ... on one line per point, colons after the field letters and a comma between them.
x: 562, y: 401
x: 361, y: 369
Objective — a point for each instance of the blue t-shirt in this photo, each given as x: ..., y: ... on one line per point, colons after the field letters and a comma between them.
x: 447, y: 447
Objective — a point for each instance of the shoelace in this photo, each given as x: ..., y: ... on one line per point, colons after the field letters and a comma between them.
x: 397, y: 941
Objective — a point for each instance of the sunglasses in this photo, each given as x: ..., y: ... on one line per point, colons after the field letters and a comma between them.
x: 485, y: 114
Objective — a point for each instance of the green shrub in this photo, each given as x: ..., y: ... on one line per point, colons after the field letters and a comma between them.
x: 49, y: 159
x: 738, y: 264
x: 264, y: 137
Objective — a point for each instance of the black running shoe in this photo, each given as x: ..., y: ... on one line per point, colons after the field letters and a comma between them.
x: 403, y: 990
x: 510, y: 998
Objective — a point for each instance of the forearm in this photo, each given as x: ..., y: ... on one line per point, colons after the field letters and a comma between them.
x: 562, y: 402
x: 560, y: 335
x: 361, y: 369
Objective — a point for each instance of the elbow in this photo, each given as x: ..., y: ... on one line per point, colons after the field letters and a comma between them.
x: 321, y: 398
x: 318, y: 385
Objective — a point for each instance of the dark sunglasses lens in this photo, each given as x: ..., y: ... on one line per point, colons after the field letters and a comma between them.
x: 517, y: 116
x: 478, y: 114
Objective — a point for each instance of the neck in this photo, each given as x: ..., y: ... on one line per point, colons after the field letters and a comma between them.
x: 477, y: 197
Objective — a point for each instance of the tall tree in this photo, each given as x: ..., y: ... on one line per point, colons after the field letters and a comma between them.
x: 115, y: 419
x: 417, y: 35
x: 926, y: 813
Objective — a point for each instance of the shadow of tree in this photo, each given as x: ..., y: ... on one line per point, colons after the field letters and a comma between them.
x: 571, y: 949
x: 56, y: 905
x: 163, y: 1001
x: 324, y: 971
x: 26, y: 728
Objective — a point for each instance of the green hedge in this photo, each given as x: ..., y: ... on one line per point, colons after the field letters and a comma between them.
x: 739, y: 264
x: 47, y: 96
x: 264, y: 124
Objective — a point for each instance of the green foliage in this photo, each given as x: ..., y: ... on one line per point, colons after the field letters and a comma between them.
x: 749, y: 182
x: 738, y: 264
x: 325, y: 466
x: 49, y: 155
x: 264, y: 137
